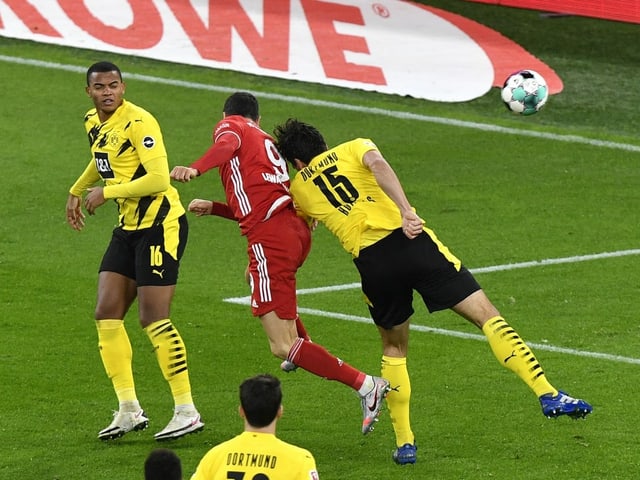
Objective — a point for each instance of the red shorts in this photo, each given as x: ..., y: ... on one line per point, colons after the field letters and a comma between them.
x: 277, y: 248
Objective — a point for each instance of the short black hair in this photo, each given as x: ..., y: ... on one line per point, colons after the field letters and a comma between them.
x: 242, y: 103
x: 296, y: 139
x: 103, y: 67
x: 162, y: 464
x: 260, y: 397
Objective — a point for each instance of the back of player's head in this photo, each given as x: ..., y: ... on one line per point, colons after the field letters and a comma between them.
x: 260, y: 398
x: 162, y: 464
x: 103, y: 67
x: 296, y: 139
x: 242, y: 103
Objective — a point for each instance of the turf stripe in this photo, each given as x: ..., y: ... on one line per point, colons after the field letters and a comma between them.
x: 473, y: 336
x: 487, y: 127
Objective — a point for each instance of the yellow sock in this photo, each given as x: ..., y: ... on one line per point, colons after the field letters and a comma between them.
x: 514, y: 354
x: 172, y: 359
x: 398, y: 399
x: 116, y: 354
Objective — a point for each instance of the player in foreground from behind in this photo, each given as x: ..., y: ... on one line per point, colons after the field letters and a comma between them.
x: 257, y: 452
x: 143, y: 256
x: 354, y: 191
x: 256, y: 182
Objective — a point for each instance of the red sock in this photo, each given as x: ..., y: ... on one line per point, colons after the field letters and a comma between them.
x: 302, y: 332
x: 315, y: 359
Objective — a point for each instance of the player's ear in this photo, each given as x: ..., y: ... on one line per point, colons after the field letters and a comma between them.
x: 280, y: 411
x: 298, y: 164
x: 241, y: 412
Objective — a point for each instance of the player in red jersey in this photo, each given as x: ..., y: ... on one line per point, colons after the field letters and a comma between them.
x: 256, y: 183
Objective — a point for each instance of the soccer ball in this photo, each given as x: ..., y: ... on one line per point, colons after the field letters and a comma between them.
x: 525, y: 92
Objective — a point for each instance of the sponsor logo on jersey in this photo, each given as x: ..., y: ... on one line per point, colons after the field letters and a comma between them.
x: 103, y: 166
x: 148, y: 142
x: 113, y: 139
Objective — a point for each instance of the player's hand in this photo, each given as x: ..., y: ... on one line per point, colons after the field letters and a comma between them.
x: 411, y: 224
x: 75, y: 217
x: 183, y: 174
x: 201, y: 207
x: 93, y: 199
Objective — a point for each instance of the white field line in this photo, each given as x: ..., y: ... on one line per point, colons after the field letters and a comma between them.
x: 472, y: 336
x: 343, y: 106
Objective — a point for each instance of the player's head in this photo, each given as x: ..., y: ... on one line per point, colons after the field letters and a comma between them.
x: 105, y: 88
x: 299, y: 140
x: 260, y: 399
x: 162, y: 464
x: 242, y: 103
x: 102, y: 67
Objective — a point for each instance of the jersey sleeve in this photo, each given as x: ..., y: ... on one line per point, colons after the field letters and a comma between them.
x: 308, y: 470
x: 156, y: 180
x: 89, y: 177
x: 223, y: 210
x: 146, y: 137
x: 360, y: 146
x: 220, y: 152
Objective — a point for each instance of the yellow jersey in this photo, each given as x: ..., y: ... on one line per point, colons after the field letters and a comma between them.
x: 337, y: 189
x: 129, y: 155
x: 256, y: 455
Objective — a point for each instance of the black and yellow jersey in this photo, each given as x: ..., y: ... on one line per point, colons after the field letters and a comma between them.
x: 129, y: 155
x: 338, y: 190
x: 253, y: 455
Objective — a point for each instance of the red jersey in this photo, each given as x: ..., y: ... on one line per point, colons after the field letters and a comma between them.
x: 254, y: 174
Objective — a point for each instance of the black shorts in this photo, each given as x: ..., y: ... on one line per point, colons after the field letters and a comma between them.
x: 150, y: 256
x: 392, y: 268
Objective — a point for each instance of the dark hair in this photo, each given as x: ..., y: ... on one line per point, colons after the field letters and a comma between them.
x: 162, y: 464
x: 103, y: 67
x: 242, y: 103
x: 260, y: 397
x: 296, y: 139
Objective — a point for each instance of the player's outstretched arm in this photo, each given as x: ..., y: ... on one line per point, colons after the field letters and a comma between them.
x: 207, y: 207
x: 388, y: 180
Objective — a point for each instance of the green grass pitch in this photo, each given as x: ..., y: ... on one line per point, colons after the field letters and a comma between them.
x: 561, y: 184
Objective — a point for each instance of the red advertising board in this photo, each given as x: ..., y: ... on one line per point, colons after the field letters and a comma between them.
x: 620, y: 10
